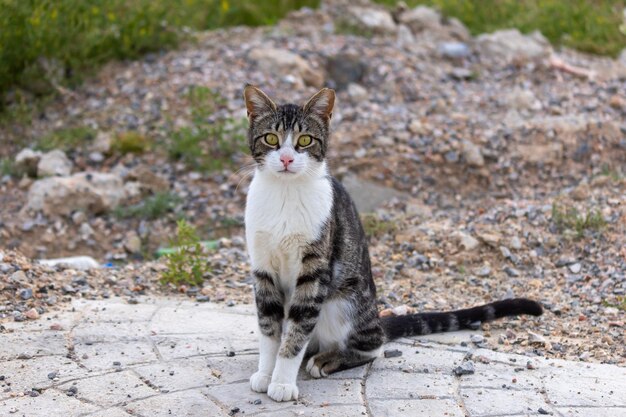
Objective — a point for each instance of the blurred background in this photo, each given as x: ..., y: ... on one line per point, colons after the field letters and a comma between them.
x: 483, y: 141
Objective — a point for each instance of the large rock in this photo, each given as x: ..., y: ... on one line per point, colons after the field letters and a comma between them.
x: 27, y: 160
x: 511, y: 46
x: 273, y: 61
x: 424, y: 19
x: 54, y: 163
x: 89, y: 192
x: 373, y: 20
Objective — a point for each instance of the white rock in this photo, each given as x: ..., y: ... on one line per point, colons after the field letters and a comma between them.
x: 357, y: 92
x: 75, y: 262
x: 522, y: 99
x: 472, y: 154
x: 54, y: 163
x: 512, y: 46
x: 379, y: 21
x: 466, y: 241
x: 88, y: 192
x: 423, y: 18
x: 132, y: 242
x: 26, y: 160
x: 101, y: 143
x: 273, y: 61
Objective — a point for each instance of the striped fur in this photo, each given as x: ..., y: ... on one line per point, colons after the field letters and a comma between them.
x: 314, y: 290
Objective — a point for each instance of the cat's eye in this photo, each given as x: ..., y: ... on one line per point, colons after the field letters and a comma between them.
x: 271, y: 139
x: 304, y: 141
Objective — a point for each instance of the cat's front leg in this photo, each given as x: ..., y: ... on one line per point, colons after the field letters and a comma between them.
x: 270, y: 312
x: 306, y: 304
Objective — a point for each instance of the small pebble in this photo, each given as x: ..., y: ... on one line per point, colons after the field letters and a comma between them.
x: 466, y: 368
x: 392, y: 353
x: 543, y: 412
x: 52, y: 375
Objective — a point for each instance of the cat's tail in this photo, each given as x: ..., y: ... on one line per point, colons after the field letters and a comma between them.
x: 427, y: 323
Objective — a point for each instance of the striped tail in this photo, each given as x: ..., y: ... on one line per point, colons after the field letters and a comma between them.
x: 427, y: 323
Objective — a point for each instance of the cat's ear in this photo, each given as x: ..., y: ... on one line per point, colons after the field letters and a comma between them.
x: 257, y: 102
x: 321, y: 103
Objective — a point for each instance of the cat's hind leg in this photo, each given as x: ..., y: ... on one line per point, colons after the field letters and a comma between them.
x: 330, y: 361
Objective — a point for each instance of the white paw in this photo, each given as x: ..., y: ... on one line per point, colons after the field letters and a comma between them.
x: 260, y: 381
x: 282, y: 392
x: 313, y: 369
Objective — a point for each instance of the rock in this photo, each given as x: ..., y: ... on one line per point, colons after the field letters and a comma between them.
x: 25, y: 293
x: 32, y: 314
x: 273, y: 61
x: 477, y: 338
x: 378, y: 21
x: 101, y: 143
x: 132, y: 242
x: 26, y: 161
x: 367, y: 195
x: 550, y: 153
x: 512, y: 272
x: 536, y: 339
x: 472, y: 154
x: 522, y: 99
x: 52, y: 375
x: 622, y: 57
x: 483, y: 271
x: 357, y: 93
x: 453, y: 50
x: 466, y: 368
x: 148, y: 180
x: 73, y: 262
x: 461, y: 74
x: 18, y: 276
x: 417, y: 127
x: 88, y: 192
x: 54, y: 163
x: 96, y: 157
x: 543, y: 411
x: 466, y: 241
x: 511, y: 46
x: 392, y: 353
x: 575, y: 268
x: 345, y: 69
x: 490, y: 238
x: 426, y: 19
x: 581, y: 193
x: 515, y: 243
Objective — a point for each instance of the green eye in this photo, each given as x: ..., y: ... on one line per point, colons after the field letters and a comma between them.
x: 304, y: 140
x: 271, y: 139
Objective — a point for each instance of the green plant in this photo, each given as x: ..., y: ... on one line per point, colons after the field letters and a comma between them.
x: 374, y: 226
x: 346, y: 27
x: 66, y: 139
x: 590, y: 26
x: 620, y: 305
x: 187, y: 264
x: 569, y: 218
x: 151, y: 208
x: 130, y: 142
x: 207, y: 144
x: 7, y: 167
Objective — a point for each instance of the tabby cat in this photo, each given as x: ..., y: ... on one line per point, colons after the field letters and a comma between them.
x: 314, y: 291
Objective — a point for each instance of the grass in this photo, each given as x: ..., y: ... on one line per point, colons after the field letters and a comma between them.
x: 153, y: 207
x: 66, y: 139
x: 595, y: 26
x: 45, y: 44
x: 187, y: 264
x: 374, y: 226
x: 7, y: 167
x: 569, y: 218
x: 209, y: 143
x: 620, y: 305
x: 130, y: 142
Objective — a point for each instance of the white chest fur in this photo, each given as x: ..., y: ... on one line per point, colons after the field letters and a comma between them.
x: 283, y: 216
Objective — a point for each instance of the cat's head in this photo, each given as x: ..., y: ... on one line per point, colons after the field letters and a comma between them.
x: 288, y: 141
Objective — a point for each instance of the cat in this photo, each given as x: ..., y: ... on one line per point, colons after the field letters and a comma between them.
x: 314, y: 291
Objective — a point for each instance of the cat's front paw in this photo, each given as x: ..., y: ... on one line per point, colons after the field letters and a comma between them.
x: 260, y: 381
x: 282, y: 392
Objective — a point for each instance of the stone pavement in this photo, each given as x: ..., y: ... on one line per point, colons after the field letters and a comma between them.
x: 174, y: 357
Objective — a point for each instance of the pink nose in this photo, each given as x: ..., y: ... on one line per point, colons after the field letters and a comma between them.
x: 286, y: 160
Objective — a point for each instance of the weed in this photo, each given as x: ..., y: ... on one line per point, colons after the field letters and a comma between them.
x: 130, y: 142
x: 620, y: 305
x: 187, y: 264
x: 7, y: 167
x: 209, y: 143
x: 66, y: 139
x: 374, y: 226
x: 612, y: 173
x: 569, y: 218
x: 151, y: 208
x: 346, y: 27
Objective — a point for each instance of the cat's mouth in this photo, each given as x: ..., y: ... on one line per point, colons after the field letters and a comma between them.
x: 286, y: 171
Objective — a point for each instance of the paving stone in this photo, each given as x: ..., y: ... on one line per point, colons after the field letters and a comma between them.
x: 111, y: 389
x: 329, y: 391
x: 452, y: 338
x: 172, y: 320
x: 496, y: 375
x: 492, y: 402
x: 190, y: 403
x: 240, y: 395
x: 96, y: 331
x: 574, y: 390
x: 417, y: 359
x: 40, y: 343
x: 64, y: 319
x: 324, y: 411
x: 33, y: 373
x: 414, y: 408
x: 121, y: 311
x: 49, y: 403
x: 101, y: 356
x: 181, y: 374
x: 593, y: 412
x: 386, y: 384
x: 109, y: 412
x: 184, y: 346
